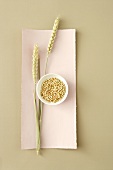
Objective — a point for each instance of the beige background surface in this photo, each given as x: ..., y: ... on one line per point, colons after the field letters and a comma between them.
x: 93, y: 20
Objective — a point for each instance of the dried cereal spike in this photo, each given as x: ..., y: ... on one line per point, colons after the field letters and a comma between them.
x: 35, y: 58
x: 53, y: 35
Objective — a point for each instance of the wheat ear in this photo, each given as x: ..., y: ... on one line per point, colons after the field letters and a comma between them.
x: 53, y: 36
x: 35, y: 58
x: 35, y: 63
x: 52, y: 39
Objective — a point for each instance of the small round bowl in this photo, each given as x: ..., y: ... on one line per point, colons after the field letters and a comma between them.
x: 45, y: 77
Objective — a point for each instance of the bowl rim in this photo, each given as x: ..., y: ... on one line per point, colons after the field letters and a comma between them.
x: 59, y: 77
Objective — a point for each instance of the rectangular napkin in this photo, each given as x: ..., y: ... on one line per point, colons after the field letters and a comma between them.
x: 58, y: 122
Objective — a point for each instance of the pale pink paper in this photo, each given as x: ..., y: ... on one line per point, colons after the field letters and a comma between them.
x: 58, y: 122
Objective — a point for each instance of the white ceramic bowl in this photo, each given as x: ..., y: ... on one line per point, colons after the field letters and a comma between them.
x: 45, y: 77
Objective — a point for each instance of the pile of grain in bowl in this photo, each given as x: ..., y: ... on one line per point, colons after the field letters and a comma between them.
x: 53, y: 90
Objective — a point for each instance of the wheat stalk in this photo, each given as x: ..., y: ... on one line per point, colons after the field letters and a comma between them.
x: 52, y: 39
x: 36, y: 76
